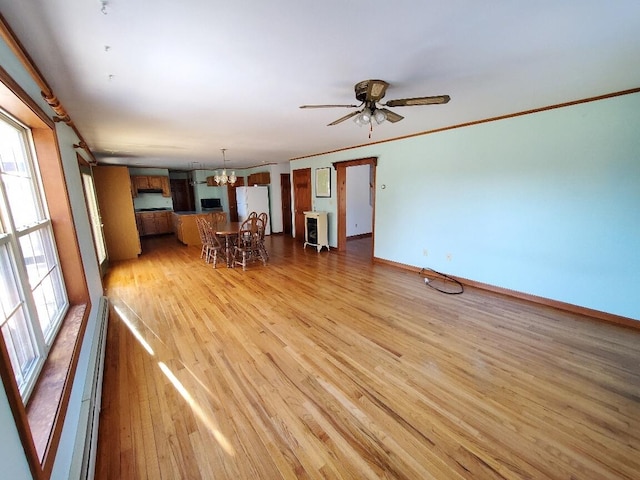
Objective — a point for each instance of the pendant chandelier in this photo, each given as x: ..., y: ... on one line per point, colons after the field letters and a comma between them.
x: 224, y: 179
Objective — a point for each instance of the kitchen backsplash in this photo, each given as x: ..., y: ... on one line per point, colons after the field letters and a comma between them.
x: 152, y: 200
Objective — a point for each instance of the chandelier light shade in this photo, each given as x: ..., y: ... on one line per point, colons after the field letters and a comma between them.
x: 223, y: 179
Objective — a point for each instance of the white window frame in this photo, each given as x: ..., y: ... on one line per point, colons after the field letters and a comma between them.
x: 10, y: 236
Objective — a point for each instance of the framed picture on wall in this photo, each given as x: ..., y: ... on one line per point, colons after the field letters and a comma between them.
x: 323, y: 182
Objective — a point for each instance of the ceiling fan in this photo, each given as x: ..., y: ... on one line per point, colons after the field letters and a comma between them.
x: 370, y: 92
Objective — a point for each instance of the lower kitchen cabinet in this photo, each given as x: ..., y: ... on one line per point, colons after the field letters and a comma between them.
x: 154, y: 223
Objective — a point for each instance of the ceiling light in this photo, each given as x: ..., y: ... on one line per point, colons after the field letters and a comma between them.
x: 367, y: 115
x: 379, y: 116
x: 223, y: 179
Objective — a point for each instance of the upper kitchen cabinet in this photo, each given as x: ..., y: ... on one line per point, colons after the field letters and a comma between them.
x: 260, y: 178
x: 150, y: 184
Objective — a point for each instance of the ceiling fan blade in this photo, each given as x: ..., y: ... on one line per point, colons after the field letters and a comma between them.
x: 328, y: 106
x: 342, y: 119
x: 392, y: 117
x: 405, y: 102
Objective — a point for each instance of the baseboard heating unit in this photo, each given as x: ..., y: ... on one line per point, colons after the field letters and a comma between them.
x: 86, y: 444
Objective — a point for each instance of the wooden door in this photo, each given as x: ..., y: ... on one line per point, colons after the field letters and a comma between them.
x: 182, y: 195
x: 233, y: 203
x: 285, y: 193
x: 301, y: 199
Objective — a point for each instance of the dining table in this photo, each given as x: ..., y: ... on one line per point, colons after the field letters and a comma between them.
x: 228, y: 231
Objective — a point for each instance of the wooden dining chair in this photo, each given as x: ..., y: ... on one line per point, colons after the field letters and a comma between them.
x: 263, y: 218
x: 218, y: 218
x: 247, y: 244
x: 203, y: 237
x: 212, y: 244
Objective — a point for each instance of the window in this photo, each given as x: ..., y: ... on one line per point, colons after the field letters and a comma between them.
x: 33, y: 299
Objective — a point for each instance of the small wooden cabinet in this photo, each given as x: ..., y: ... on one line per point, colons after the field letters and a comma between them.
x: 260, y: 178
x: 154, y: 223
x: 150, y: 182
x: 316, y: 230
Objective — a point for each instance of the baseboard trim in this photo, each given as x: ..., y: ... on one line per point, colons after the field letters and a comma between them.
x: 362, y: 235
x: 568, y: 307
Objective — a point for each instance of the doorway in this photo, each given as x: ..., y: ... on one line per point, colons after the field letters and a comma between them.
x: 182, y: 195
x: 341, y: 180
x: 91, y: 200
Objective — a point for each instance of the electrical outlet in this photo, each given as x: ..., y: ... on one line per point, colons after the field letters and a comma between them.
x: 425, y: 252
x: 449, y: 257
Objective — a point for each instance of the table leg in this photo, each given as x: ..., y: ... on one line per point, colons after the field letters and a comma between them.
x: 227, y: 248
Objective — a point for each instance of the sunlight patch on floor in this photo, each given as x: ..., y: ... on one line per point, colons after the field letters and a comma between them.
x: 123, y: 316
x: 200, y: 413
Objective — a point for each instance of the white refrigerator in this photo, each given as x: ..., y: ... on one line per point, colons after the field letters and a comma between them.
x: 253, y: 199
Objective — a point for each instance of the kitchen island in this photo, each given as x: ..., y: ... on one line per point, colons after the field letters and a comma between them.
x: 184, y: 224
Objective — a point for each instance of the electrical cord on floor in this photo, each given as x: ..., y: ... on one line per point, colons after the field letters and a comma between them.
x: 440, y: 276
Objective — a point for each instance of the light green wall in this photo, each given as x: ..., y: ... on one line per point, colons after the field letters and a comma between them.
x: 12, y: 456
x: 546, y: 204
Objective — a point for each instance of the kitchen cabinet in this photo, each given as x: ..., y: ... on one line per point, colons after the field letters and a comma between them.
x: 116, y: 209
x: 260, y: 178
x: 154, y: 223
x: 150, y: 182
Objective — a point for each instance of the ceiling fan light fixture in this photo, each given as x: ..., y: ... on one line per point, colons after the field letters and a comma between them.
x: 370, y: 94
x: 365, y: 116
x: 379, y: 116
x: 358, y: 119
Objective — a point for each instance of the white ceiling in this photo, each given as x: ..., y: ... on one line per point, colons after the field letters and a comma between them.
x: 169, y: 83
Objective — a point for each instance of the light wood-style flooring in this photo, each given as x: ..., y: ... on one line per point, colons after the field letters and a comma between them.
x: 327, y: 366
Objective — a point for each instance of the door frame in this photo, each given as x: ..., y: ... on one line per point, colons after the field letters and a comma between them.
x: 97, y: 227
x: 341, y: 180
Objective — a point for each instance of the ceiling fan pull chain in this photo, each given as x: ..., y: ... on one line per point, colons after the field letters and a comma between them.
x: 370, y: 128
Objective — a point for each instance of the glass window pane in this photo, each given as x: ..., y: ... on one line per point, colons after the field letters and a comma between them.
x: 21, y: 197
x: 9, y: 292
x: 48, y: 302
x: 20, y: 345
x: 38, y: 252
x: 34, y: 258
x: 11, y: 150
x: 16, y: 176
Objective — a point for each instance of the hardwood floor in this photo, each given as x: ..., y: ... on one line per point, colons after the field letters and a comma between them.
x: 327, y: 366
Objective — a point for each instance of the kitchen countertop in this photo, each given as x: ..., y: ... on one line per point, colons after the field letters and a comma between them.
x: 144, y: 210
x: 191, y: 213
